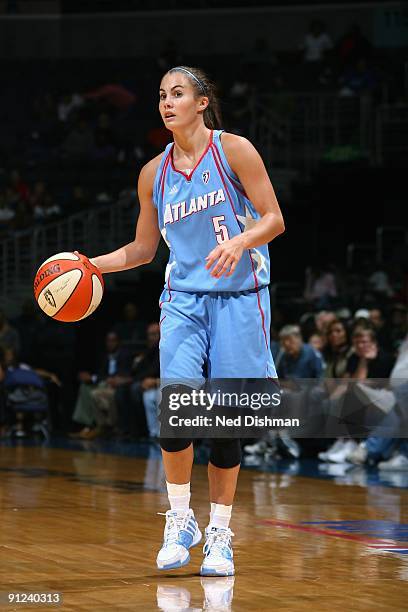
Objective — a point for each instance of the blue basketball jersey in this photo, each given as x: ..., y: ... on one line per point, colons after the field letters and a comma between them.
x: 199, y: 210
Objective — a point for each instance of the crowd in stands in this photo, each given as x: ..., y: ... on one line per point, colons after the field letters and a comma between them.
x: 359, y: 362
x: 96, y: 137
x: 38, y: 356
x: 328, y: 344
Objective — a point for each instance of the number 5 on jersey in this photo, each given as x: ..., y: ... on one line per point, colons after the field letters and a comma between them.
x: 221, y: 231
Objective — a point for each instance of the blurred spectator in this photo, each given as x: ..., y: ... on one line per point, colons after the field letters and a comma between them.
x: 343, y: 314
x: 27, y: 325
x: 320, y: 286
x: 47, y: 210
x: 368, y: 359
x: 38, y: 194
x: 323, y: 319
x: 114, y: 94
x: 9, y: 336
x: 337, y: 350
x: 96, y: 407
x: 281, y: 104
x: 399, y: 385
x: 54, y: 350
x: 358, y: 79
x: 380, y: 283
x: 42, y: 203
x: 12, y: 198
x: 298, y: 360
x: 23, y: 384
x: 68, y: 103
x: 398, y: 325
x: 104, y: 130
x: 295, y: 362
x: 130, y: 328
x: 336, y: 356
x: 317, y: 341
x: 361, y: 321
x: 145, y: 374
x: 23, y: 217
x: 352, y: 46
x: 150, y: 403
x: 242, y: 97
x: 316, y: 42
x: 382, y: 330
x: 79, y: 143
x: 392, y: 403
x: 7, y: 213
x: 78, y: 201
x: 19, y: 187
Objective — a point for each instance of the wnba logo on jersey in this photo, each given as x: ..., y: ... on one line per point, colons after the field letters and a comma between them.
x: 205, y: 176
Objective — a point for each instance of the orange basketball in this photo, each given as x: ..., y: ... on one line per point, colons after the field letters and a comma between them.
x: 68, y: 287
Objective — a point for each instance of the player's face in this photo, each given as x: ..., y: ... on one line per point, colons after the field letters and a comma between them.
x: 178, y: 104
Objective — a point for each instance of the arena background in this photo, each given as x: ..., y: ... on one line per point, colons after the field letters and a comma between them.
x: 79, y: 118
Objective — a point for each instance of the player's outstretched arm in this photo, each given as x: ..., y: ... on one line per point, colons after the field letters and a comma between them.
x: 143, y: 248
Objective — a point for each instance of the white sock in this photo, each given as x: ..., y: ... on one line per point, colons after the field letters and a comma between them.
x: 213, y: 504
x: 220, y: 516
x: 179, y: 496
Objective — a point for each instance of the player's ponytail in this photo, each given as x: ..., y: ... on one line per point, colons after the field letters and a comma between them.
x: 203, y: 86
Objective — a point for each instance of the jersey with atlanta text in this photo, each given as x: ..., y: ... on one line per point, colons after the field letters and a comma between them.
x: 198, y: 211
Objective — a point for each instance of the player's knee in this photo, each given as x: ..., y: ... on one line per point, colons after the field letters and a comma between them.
x: 174, y: 445
x: 225, y: 452
x: 174, y: 401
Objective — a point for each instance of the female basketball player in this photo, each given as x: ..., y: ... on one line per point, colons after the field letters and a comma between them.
x: 210, y: 197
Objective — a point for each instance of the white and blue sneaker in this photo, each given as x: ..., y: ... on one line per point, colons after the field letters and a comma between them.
x: 218, y: 555
x: 180, y: 534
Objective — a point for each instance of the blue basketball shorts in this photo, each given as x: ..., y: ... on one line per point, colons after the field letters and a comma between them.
x: 215, y: 335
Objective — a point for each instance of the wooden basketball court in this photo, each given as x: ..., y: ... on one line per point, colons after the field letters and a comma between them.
x: 85, y: 524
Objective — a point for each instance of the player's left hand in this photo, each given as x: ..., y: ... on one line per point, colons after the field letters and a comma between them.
x: 225, y: 256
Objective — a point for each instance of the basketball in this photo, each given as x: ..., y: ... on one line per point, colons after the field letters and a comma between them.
x: 68, y: 287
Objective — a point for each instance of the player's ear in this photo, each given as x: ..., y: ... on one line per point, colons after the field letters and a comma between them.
x: 204, y: 102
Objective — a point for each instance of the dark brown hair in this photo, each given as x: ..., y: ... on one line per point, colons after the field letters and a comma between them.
x: 203, y: 86
x: 364, y: 331
x: 329, y: 331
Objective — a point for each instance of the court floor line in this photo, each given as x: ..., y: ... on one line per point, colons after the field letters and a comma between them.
x: 319, y: 531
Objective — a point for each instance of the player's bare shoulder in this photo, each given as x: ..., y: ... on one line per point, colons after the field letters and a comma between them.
x: 148, y: 173
x: 236, y: 148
